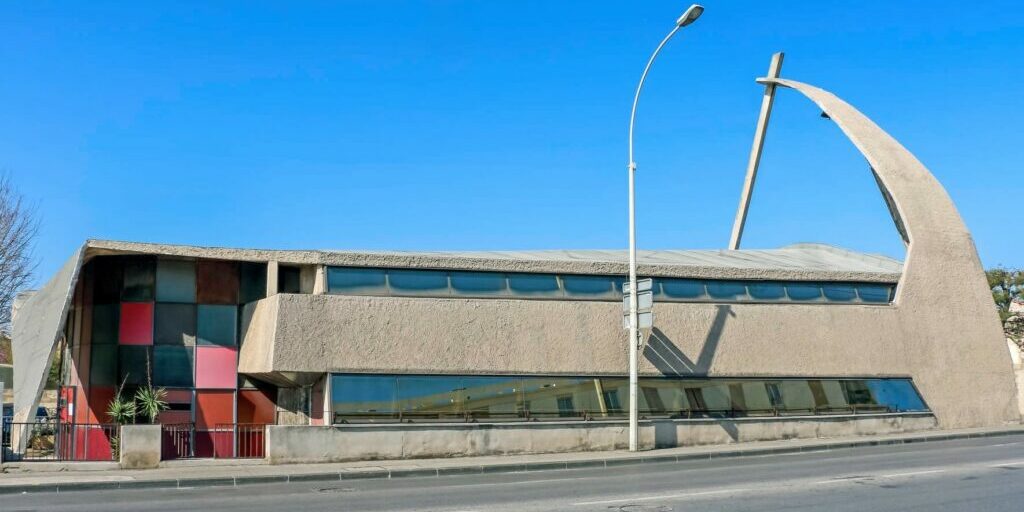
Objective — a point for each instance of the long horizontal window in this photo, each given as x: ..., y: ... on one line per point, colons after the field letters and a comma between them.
x: 440, y: 283
x: 356, y: 397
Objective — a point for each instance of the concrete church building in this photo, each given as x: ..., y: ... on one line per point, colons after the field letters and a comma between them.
x: 362, y: 355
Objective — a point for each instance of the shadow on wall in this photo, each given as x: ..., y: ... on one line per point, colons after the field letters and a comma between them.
x: 663, y: 353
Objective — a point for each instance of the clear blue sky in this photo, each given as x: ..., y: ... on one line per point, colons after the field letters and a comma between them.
x: 496, y: 125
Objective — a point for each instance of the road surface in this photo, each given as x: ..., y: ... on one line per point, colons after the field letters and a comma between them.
x: 977, y: 475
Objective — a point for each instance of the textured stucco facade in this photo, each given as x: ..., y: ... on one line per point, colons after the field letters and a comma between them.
x: 953, y: 348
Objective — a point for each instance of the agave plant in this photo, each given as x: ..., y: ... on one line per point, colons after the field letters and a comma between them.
x: 121, y: 410
x: 151, y: 401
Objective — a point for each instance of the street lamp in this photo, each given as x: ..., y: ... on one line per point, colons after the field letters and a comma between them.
x: 687, y: 18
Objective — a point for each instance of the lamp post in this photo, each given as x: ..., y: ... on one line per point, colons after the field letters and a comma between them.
x: 688, y: 17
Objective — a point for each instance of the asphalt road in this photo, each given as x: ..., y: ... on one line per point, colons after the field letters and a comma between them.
x: 977, y: 475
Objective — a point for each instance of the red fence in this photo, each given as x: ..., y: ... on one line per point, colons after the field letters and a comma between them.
x: 53, y: 440
x: 224, y: 441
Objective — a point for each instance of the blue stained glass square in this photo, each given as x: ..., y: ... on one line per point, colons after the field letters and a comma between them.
x: 217, y: 325
x: 175, y: 281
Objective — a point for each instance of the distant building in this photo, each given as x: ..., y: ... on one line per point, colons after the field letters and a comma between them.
x: 5, y: 349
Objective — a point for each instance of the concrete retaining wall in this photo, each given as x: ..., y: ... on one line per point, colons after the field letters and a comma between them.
x: 140, y: 446
x: 303, y: 444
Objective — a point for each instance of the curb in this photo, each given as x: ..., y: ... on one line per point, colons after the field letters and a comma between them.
x: 333, y: 476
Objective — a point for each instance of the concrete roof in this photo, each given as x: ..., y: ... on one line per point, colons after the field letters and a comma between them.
x: 800, y: 261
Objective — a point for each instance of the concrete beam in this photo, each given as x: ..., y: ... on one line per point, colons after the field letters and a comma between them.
x: 755, y: 152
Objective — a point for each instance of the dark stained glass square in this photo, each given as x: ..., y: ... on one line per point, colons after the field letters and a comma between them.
x: 175, y: 324
x: 106, y: 279
x: 139, y: 284
x: 173, y: 366
x: 105, y: 324
x: 252, y: 282
x: 289, y: 279
x: 134, y: 361
x: 103, y: 366
x: 217, y: 282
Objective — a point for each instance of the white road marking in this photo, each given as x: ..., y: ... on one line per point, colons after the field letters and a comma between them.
x: 864, y: 477
x: 913, y: 473
x: 837, y: 480
x: 1008, y: 464
x: 661, y: 497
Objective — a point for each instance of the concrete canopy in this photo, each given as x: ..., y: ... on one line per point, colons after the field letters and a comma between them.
x: 38, y: 325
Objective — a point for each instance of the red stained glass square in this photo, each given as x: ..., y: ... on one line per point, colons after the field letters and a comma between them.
x: 136, y: 323
x: 216, y: 367
x: 179, y: 396
x: 99, y: 400
x: 214, y: 408
x: 256, y: 406
x: 217, y: 282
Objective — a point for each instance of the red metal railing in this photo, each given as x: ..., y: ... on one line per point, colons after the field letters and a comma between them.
x: 224, y: 441
x: 239, y: 440
x: 178, y: 441
x: 54, y: 440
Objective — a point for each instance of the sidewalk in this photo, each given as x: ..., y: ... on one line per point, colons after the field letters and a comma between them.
x: 64, y: 477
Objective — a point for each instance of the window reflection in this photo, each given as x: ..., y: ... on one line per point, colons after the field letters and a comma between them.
x: 766, y: 291
x: 356, y: 280
x: 587, y: 286
x: 363, y: 396
x: 682, y: 288
x: 534, y: 284
x: 440, y: 283
x: 478, y: 283
x: 727, y: 290
x: 413, y: 398
x: 874, y: 292
x: 840, y: 292
x: 418, y: 282
x: 803, y: 291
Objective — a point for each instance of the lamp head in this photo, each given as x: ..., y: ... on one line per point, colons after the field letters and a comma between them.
x: 691, y: 15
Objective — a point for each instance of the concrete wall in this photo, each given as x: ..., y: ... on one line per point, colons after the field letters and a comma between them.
x: 1018, y: 371
x: 323, y: 333
x: 303, y: 444
x: 140, y: 446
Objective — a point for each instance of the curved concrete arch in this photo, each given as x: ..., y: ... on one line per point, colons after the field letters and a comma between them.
x: 943, y: 295
x: 938, y: 242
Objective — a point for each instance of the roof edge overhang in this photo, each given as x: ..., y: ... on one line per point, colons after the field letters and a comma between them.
x: 458, y: 261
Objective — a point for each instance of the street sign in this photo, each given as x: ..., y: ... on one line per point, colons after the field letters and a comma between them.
x: 644, y: 320
x: 644, y: 304
x: 642, y: 285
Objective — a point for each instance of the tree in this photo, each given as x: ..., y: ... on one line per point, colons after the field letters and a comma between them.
x: 18, y: 228
x: 1007, y: 285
